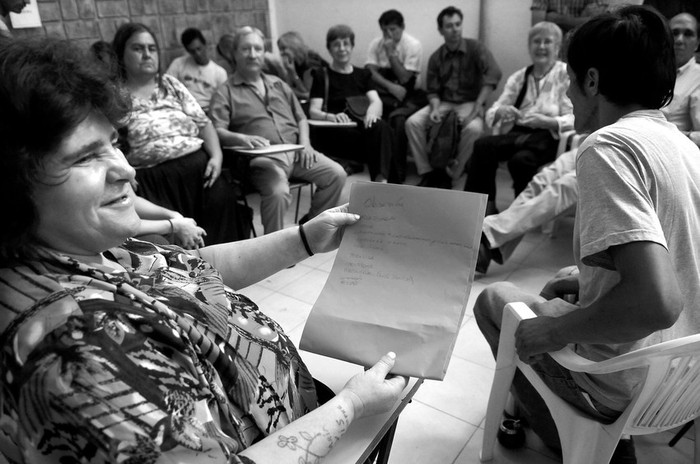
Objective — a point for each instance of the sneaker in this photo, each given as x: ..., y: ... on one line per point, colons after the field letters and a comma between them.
x: 624, y: 453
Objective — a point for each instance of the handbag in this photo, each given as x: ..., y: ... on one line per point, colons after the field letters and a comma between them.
x: 355, y: 106
x: 443, y: 141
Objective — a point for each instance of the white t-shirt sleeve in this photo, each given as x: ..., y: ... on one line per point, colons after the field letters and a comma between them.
x: 414, y: 56
x: 615, y: 206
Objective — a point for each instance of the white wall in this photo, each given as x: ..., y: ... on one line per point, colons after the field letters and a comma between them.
x: 504, y: 24
x: 312, y: 18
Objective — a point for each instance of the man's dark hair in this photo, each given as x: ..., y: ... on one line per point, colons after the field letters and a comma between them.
x: 47, y: 88
x: 191, y: 34
x: 632, y: 49
x: 390, y: 17
x: 449, y: 11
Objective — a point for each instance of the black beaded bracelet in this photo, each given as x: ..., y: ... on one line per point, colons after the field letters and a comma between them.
x: 304, y: 241
x: 171, y: 238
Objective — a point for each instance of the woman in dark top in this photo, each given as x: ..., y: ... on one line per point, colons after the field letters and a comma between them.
x: 329, y: 102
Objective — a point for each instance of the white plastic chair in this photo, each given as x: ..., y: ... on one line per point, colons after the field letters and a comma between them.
x: 668, y: 397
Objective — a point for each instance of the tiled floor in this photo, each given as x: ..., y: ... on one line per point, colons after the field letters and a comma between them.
x: 444, y: 422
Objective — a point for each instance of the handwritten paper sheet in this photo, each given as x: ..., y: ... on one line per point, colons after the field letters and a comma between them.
x: 401, y: 279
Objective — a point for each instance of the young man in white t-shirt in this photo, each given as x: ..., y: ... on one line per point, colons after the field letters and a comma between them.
x: 395, y: 59
x: 200, y: 75
x: 637, y: 223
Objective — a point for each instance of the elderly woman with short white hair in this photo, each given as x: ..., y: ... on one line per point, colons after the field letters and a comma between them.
x: 527, y: 118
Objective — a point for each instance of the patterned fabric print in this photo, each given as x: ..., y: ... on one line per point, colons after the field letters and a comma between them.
x: 165, y: 126
x: 162, y: 363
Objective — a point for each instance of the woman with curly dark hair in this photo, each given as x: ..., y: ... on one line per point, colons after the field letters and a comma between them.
x: 116, y: 350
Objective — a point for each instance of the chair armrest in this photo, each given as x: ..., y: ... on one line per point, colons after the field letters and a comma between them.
x: 566, y: 357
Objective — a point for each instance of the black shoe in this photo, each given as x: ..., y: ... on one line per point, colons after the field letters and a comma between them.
x: 426, y: 180
x: 496, y: 255
x: 483, y: 259
x: 486, y: 255
x: 491, y: 208
x: 624, y: 453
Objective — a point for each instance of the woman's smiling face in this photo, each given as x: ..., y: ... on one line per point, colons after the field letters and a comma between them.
x: 84, y: 197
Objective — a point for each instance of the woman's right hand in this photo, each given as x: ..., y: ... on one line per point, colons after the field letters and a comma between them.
x: 375, y: 390
x: 341, y: 117
x: 188, y: 234
x: 506, y: 114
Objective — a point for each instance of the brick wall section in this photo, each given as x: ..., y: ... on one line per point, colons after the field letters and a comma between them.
x: 86, y: 21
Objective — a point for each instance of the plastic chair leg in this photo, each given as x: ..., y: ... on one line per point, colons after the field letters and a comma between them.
x: 696, y: 426
x: 500, y: 389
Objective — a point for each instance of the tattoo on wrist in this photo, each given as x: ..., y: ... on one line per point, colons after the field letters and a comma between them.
x: 324, y: 441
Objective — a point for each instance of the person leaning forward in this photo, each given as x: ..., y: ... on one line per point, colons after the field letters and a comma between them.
x: 253, y: 109
x: 637, y: 221
x: 461, y: 76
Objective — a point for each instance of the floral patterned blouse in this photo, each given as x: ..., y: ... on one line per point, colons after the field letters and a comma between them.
x: 163, y: 363
x: 165, y: 126
x: 545, y: 96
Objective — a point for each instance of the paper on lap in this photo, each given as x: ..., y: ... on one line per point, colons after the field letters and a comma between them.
x: 401, y: 279
x: 269, y: 149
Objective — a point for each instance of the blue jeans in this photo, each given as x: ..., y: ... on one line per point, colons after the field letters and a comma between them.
x: 488, y: 312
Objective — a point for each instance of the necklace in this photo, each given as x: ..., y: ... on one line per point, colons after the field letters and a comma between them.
x: 540, y: 76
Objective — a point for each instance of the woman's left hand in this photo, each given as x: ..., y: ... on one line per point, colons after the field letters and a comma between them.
x: 371, y: 118
x: 325, y: 231
x: 212, y: 171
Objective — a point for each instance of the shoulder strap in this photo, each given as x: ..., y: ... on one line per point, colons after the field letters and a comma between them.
x: 523, y: 89
x: 325, y: 89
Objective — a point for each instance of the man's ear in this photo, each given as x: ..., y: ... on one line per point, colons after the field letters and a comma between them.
x: 590, y: 83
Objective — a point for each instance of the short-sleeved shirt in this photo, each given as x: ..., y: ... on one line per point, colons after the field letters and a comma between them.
x: 409, y: 50
x: 201, y: 81
x: 638, y: 180
x: 238, y: 107
x: 165, y: 126
x: 340, y: 86
x: 457, y: 76
x: 162, y: 362
x: 684, y: 109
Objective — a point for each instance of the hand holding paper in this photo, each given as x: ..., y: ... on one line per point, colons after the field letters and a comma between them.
x: 401, y: 279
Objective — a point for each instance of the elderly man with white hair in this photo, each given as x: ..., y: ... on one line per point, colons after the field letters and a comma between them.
x: 253, y: 109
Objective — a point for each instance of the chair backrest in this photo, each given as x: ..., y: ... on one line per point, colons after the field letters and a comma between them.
x: 670, y: 395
